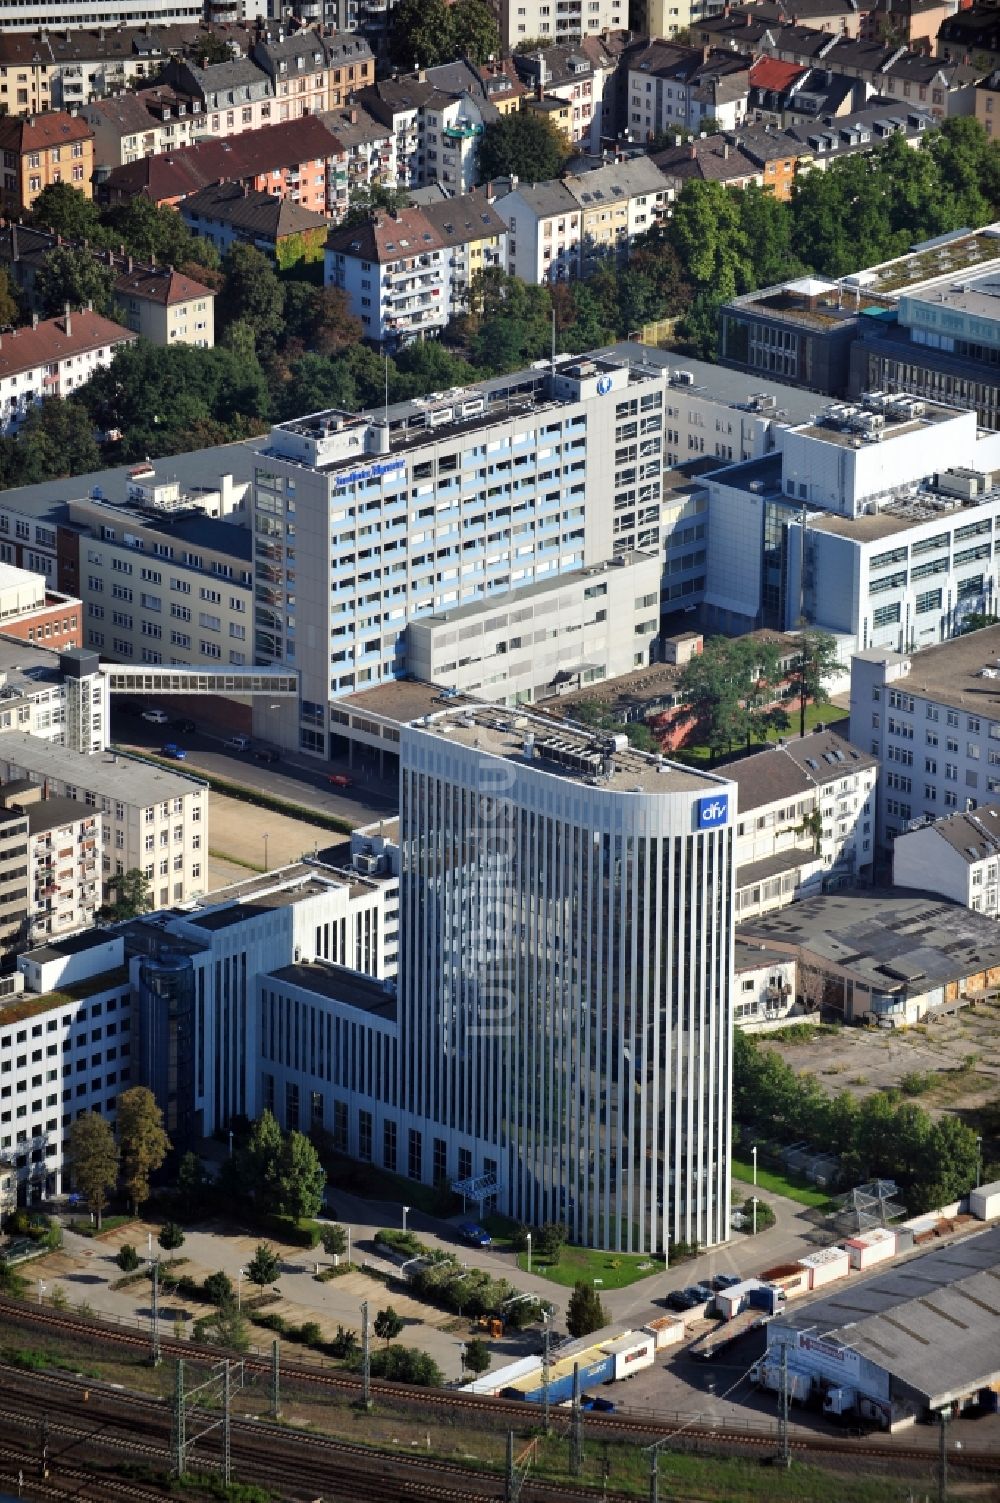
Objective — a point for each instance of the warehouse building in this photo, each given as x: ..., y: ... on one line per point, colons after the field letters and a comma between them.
x: 915, y: 1340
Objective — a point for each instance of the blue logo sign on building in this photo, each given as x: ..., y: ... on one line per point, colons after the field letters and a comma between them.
x: 604, y: 386
x: 713, y: 811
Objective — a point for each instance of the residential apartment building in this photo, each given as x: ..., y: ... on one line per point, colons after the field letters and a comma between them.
x: 933, y: 720
x: 153, y: 819
x: 570, y: 74
x: 393, y: 271
x: 671, y: 87
x: 764, y: 987
x: 434, y: 132
x: 618, y: 203
x: 163, y: 305
x: 51, y: 60
x: 129, y: 126
x: 14, y: 883
x: 362, y: 156
x: 38, y: 150
x: 64, y: 863
x: 31, y: 612
x: 312, y: 70
x: 516, y: 651
x: 957, y: 857
x: 53, y: 358
x: 290, y: 159
x: 806, y: 821
x: 228, y: 214
x: 474, y: 239
x: 562, y: 22
x: 64, y: 1050
x: 233, y: 97
x: 544, y: 228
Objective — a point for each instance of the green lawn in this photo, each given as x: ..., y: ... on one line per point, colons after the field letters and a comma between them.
x: 826, y: 715
x: 793, y: 1189
x: 615, y: 1270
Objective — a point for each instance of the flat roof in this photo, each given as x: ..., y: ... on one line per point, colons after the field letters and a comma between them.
x: 50, y: 813
x: 718, y: 382
x: 30, y: 1004
x: 341, y: 985
x: 539, y: 587
x: 774, y: 866
x: 110, y: 774
x: 953, y: 672
x: 73, y: 944
x: 566, y: 750
x: 214, y: 919
x: 402, y: 701
x: 891, y: 939
x: 748, y: 957
x: 950, y: 255
x: 933, y: 1322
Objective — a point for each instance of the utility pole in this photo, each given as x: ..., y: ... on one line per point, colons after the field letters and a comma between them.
x: 366, y: 1359
x: 43, y: 1449
x: 227, y: 1459
x: 943, y: 1458
x: 275, y: 1381
x: 545, y: 1371
x: 154, y: 1317
x: 576, y: 1450
x: 784, y: 1456
x: 510, y: 1478
x: 654, y: 1475
x: 180, y: 1443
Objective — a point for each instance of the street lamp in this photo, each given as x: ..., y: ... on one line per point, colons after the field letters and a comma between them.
x: 406, y: 1212
x: 41, y: 1289
x: 230, y: 1142
x: 529, y: 1252
x: 979, y: 1162
x: 149, y: 1245
x: 754, y: 1199
x: 265, y: 838
x: 754, y: 1152
x: 239, y: 1288
x: 348, y: 1244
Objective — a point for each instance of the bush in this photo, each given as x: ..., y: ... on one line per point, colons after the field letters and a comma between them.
x: 400, y: 1241
x: 405, y: 1364
x: 171, y: 1236
x: 301, y: 1233
x: 218, y: 1288
x: 127, y: 1258
x: 310, y: 1333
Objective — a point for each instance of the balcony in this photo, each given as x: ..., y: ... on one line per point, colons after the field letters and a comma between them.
x: 463, y: 131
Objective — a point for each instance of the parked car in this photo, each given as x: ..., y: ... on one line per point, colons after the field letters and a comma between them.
x: 725, y: 1281
x: 699, y: 1294
x: 679, y: 1299
x: 474, y: 1235
x: 156, y: 717
x: 188, y: 726
x: 173, y: 751
x: 238, y: 743
x: 339, y: 780
x: 267, y: 754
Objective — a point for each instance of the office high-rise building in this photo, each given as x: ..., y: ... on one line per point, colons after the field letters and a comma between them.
x: 564, y: 1006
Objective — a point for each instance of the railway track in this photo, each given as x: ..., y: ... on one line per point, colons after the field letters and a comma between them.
x: 598, y: 1427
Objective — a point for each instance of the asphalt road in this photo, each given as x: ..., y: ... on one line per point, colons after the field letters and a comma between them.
x: 296, y: 779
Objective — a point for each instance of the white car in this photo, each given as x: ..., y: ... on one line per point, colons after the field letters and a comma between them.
x: 156, y: 717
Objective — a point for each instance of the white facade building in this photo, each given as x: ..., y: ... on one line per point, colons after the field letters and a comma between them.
x: 933, y: 720
x: 763, y: 987
x: 535, y: 18
x: 806, y: 821
x: 515, y: 650
x: 152, y: 819
x: 65, y: 843
x: 43, y: 14
x: 565, y: 946
x: 957, y: 857
x: 53, y: 359
x: 544, y: 223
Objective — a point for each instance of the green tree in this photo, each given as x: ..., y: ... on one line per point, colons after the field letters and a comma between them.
x: 388, y: 1325
x: 813, y: 670
x: 12, y: 1283
x: 75, y: 277
x: 127, y: 1258
x: 474, y: 31
x: 405, y: 1364
x: 525, y: 145
x: 93, y: 1157
x: 227, y: 1326
x: 192, y: 1184
x: 585, y: 1311
x: 251, y: 292
x: 171, y: 1236
x: 549, y: 1241
x: 301, y: 1177
x: 334, y: 1239
x: 55, y: 439
x: 154, y: 232
x: 422, y: 34
x: 477, y: 1356
x: 133, y: 896
x: 143, y: 1141
x: 717, y: 686
x: 210, y: 48
x: 67, y: 211
x: 259, y: 1163
x: 10, y: 312
x: 319, y: 318
x: 367, y: 200
x: 218, y: 1288
x: 265, y: 1266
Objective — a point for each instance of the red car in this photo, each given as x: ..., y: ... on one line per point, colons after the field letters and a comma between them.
x: 339, y: 780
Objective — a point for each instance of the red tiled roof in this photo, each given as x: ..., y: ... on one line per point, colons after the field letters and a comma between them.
x: 388, y: 237
x: 21, y: 133
x: 172, y: 174
x: 771, y: 73
x: 161, y: 285
x: 24, y: 349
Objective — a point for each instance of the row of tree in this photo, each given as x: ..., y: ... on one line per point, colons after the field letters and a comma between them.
x: 102, y: 1158
x: 734, y: 687
x: 881, y: 1137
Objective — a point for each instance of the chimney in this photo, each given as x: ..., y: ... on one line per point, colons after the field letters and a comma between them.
x: 421, y: 75
x: 725, y: 152
x: 67, y: 318
x: 353, y: 116
x: 128, y: 264
x: 693, y: 152
x: 539, y: 91
x: 34, y: 320
x: 490, y: 191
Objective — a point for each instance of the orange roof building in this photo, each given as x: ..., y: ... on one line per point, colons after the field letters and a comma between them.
x: 37, y: 150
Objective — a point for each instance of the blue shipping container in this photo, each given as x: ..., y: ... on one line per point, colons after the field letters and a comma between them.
x: 561, y: 1386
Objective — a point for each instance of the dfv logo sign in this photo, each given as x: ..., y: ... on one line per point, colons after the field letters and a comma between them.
x: 713, y: 811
